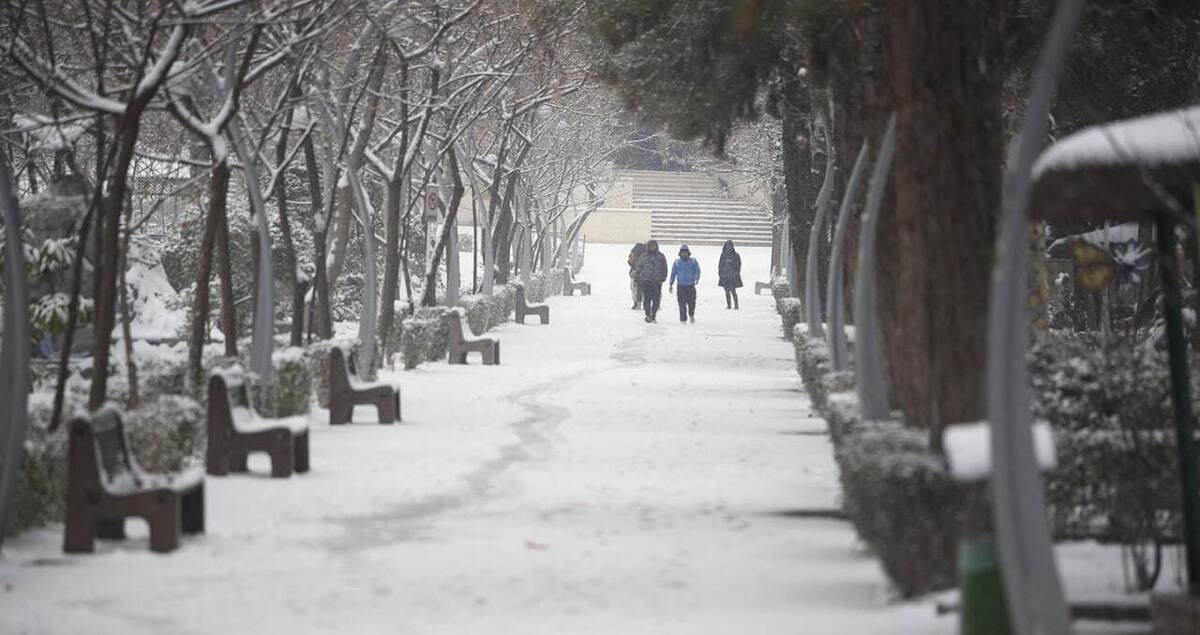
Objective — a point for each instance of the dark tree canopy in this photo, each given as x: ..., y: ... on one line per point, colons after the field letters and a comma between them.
x: 695, y: 67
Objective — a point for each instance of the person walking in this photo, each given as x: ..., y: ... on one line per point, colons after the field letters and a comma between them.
x: 634, y: 288
x: 650, y: 275
x: 729, y: 274
x: 685, y: 271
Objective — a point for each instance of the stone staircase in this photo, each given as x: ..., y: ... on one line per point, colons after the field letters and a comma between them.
x: 689, y: 207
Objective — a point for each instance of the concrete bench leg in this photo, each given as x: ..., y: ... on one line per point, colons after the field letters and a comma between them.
x: 80, y: 533
x: 166, y: 523
x: 300, y: 449
x: 283, y: 455
x: 237, y: 461
x: 193, y: 511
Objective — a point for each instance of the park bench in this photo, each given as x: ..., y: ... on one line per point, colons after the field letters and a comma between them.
x: 235, y: 430
x: 460, y: 343
x: 759, y: 287
x: 570, y: 286
x: 523, y: 308
x: 105, y: 485
x: 346, y: 391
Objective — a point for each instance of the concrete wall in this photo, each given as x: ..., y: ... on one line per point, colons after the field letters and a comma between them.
x: 619, y: 225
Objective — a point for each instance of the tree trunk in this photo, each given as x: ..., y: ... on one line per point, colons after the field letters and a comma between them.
x: 133, y: 400
x: 947, y: 184
x: 285, y: 228
x: 224, y: 268
x: 429, y: 298
x: 800, y: 185
x: 322, y: 319
x: 217, y: 183
x: 109, y: 256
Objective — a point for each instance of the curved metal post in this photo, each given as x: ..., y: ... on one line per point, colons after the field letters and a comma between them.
x: 868, y: 356
x: 1032, y: 587
x: 839, y: 354
x: 812, y: 289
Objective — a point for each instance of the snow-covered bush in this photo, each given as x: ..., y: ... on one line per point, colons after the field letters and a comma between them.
x: 536, y: 291
x: 906, y: 506
x: 416, y: 336
x: 290, y: 387
x: 318, y: 365
x: 780, y: 289
x: 479, y: 312
x: 896, y: 489
x: 165, y: 434
x: 506, y: 303
x: 439, y: 329
x: 1110, y: 409
x: 791, y: 314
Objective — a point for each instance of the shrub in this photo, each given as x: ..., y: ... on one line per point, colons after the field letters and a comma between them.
x: 906, y: 506
x: 318, y: 365
x: 790, y: 312
x: 290, y: 386
x: 165, y: 434
x: 1110, y: 409
x: 479, y: 312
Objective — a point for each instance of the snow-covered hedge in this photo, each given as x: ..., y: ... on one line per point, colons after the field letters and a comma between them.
x: 425, y: 335
x: 906, y: 506
x: 896, y: 490
x: 318, y: 364
x: 791, y: 314
x: 1110, y: 409
x: 290, y: 387
x: 780, y: 289
x: 166, y: 434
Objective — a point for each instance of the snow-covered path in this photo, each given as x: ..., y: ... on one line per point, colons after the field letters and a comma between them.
x: 611, y: 477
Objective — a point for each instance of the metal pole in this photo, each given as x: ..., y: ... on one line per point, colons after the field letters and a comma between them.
x: 1181, y: 398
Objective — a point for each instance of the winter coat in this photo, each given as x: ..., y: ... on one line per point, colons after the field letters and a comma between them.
x: 651, y: 268
x: 729, y: 269
x: 634, y: 255
x: 686, y: 272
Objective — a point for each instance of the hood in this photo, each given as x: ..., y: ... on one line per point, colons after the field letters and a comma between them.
x: 652, y: 245
x: 728, y: 247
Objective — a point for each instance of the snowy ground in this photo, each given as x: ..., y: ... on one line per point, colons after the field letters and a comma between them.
x: 611, y: 477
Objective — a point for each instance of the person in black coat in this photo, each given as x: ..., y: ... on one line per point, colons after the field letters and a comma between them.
x: 729, y: 274
x: 650, y: 273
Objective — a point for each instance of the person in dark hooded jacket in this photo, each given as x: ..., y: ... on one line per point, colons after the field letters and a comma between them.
x: 634, y: 288
x: 729, y: 274
x: 650, y: 274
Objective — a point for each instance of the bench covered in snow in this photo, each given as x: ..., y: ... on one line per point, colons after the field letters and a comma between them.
x: 105, y: 485
x: 759, y: 287
x: 570, y: 286
x: 523, y: 308
x: 346, y: 391
x: 460, y: 343
x: 235, y: 430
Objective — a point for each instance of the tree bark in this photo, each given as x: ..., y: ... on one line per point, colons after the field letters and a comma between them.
x: 429, y: 298
x: 109, y: 254
x: 217, y: 183
x: 946, y: 184
x: 224, y: 268
x: 322, y: 320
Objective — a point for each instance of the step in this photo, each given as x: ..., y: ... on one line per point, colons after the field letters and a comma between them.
x: 642, y: 175
x: 709, y: 228
x: 684, y: 208
x: 714, y: 232
x: 711, y: 241
x: 739, y: 219
x: 713, y: 217
x: 691, y: 200
x: 705, y: 210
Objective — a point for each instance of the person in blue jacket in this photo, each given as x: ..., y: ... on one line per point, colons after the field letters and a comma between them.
x: 685, y: 271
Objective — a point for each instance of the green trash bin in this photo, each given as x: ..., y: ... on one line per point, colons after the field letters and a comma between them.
x: 982, y: 610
